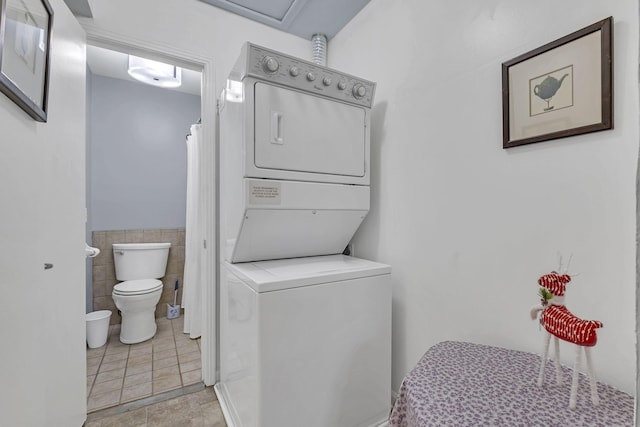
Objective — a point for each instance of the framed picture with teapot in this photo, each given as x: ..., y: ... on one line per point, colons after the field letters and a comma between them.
x: 561, y: 89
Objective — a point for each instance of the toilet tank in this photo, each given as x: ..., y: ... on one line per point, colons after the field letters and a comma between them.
x: 134, y: 261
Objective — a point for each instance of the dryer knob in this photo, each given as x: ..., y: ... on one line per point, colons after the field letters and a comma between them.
x: 326, y: 81
x: 342, y: 85
x: 359, y: 91
x: 294, y: 71
x: 310, y: 76
x: 270, y: 64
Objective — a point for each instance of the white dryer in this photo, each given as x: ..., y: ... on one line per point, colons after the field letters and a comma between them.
x: 305, y: 342
x: 294, y: 157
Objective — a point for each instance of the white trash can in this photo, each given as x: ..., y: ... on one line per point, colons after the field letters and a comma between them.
x: 98, y: 328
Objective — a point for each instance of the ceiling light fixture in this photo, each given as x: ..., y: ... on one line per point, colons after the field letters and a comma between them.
x: 154, y: 73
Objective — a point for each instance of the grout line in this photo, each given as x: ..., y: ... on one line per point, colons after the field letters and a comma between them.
x: 126, y: 366
x: 183, y: 389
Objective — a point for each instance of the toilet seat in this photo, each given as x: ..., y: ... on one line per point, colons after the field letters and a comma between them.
x: 137, y: 287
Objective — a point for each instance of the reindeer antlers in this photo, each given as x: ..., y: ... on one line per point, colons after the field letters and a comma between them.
x: 566, y: 270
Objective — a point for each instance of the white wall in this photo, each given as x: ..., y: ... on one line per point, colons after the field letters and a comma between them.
x: 469, y: 227
x: 42, y: 213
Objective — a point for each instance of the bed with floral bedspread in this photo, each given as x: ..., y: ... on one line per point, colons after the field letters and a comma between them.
x: 465, y: 384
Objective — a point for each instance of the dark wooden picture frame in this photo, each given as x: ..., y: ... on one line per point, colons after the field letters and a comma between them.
x: 25, y: 40
x: 561, y: 89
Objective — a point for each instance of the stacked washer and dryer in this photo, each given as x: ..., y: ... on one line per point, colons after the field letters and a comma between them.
x: 305, y: 331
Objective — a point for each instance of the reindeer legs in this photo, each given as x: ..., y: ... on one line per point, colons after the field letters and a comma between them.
x: 592, y: 377
x: 543, y: 362
x: 556, y: 343
x: 574, y: 381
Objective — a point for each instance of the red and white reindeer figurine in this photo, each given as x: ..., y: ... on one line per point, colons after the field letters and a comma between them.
x: 562, y: 324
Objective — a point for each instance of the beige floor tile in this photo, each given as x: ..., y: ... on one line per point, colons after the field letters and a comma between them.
x: 212, y: 414
x: 110, y: 375
x: 118, y: 364
x: 188, y: 357
x: 96, y: 352
x: 173, y: 409
x: 134, y: 418
x: 104, y: 400
x: 166, y: 383
x: 166, y: 372
x: 140, y: 351
x: 136, y: 392
x: 163, y: 363
x: 195, y: 421
x: 164, y: 345
x: 139, y: 368
x: 190, y: 366
x: 202, y: 397
x: 163, y: 354
x: 195, y: 409
x: 108, y: 358
x: 163, y: 332
x: 136, y: 379
x: 143, y: 344
x: 189, y: 347
x: 136, y: 360
x: 93, y: 365
x: 182, y: 341
x: 103, y: 387
x: 90, y: 380
x: 93, y: 361
x: 115, y: 346
x: 192, y: 377
x: 118, y: 373
x: 163, y: 336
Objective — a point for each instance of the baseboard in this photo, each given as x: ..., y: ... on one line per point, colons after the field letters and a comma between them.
x: 222, y: 400
x: 230, y: 420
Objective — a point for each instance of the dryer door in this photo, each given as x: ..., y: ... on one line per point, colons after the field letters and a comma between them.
x: 306, y: 133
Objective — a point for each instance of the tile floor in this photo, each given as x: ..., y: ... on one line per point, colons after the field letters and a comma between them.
x: 118, y: 373
x: 198, y: 409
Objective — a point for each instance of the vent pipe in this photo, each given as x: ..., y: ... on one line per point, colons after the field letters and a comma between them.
x: 319, y: 49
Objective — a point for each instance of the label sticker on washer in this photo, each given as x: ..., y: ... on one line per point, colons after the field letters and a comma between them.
x: 262, y: 193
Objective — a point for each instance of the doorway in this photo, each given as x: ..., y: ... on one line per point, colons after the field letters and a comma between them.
x: 169, y: 330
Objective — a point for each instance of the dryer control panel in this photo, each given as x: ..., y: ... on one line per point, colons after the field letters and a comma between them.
x: 276, y: 67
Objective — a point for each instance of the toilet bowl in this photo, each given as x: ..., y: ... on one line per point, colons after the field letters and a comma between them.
x: 139, y: 266
x: 137, y: 300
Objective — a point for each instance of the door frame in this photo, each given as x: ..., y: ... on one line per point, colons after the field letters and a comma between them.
x: 181, y: 57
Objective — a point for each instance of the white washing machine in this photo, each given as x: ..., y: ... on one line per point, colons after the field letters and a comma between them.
x: 305, y: 342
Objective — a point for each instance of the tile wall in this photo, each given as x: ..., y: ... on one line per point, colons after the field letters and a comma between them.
x: 104, y: 275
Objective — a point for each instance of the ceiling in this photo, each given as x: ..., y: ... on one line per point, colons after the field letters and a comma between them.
x: 302, y: 18
x: 109, y: 63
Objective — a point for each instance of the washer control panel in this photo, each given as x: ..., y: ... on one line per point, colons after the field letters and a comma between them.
x: 288, y: 71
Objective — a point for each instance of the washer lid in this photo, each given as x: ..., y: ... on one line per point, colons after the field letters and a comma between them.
x: 137, y: 287
x: 265, y: 276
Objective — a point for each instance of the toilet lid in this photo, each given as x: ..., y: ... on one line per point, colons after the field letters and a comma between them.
x: 137, y: 287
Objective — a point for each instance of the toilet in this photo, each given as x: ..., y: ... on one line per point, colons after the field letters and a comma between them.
x: 139, y: 266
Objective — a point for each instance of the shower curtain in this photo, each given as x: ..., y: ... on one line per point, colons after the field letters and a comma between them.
x: 192, y: 282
